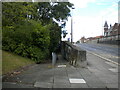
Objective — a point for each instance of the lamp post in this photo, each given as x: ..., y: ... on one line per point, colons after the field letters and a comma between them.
x: 72, y: 27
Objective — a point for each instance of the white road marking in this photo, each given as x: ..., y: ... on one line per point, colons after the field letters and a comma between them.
x: 75, y: 80
x: 104, y: 58
x: 114, y: 69
x: 111, y: 64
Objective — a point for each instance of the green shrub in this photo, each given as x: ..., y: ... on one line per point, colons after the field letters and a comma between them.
x: 36, y: 54
x: 20, y: 48
x: 55, y: 37
x: 8, y: 44
x: 28, y: 39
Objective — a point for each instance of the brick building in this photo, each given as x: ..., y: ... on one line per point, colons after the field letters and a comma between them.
x: 83, y: 40
x: 111, y: 30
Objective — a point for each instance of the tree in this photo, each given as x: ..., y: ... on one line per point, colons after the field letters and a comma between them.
x: 52, y: 12
x: 55, y: 37
x: 57, y: 10
x: 16, y: 12
x: 30, y: 29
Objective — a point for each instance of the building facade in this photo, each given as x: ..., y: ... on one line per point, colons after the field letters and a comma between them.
x: 111, y: 30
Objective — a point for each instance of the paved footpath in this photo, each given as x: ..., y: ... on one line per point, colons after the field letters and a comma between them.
x: 63, y: 75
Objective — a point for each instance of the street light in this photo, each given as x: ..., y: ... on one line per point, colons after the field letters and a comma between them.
x: 72, y: 26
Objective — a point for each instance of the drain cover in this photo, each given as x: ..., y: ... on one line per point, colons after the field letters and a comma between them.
x: 61, y: 65
x: 74, y: 80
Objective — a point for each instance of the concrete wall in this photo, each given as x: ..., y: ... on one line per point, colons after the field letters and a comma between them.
x: 115, y: 40
x: 92, y: 41
x: 75, y: 55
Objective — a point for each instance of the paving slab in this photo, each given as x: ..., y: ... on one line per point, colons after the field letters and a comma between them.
x: 16, y: 85
x: 27, y: 79
x: 46, y: 76
x: 79, y: 85
x: 104, y: 70
x: 73, y: 73
x: 84, y: 72
x: 61, y: 79
x: 94, y: 82
x: 61, y: 85
x: 110, y: 79
x: 96, y: 85
x: 112, y: 85
x: 43, y: 85
x: 60, y: 73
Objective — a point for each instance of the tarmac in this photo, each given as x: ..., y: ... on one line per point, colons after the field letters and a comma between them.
x: 97, y: 74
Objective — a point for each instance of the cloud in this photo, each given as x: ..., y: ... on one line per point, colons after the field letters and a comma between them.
x: 81, y: 3
x: 90, y: 26
x: 99, y: 3
x: 84, y: 26
x: 115, y: 4
x: 110, y: 14
x: 87, y: 26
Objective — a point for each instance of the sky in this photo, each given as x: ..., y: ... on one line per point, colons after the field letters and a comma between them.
x: 89, y: 17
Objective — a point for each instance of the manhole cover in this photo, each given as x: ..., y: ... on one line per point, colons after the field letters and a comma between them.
x: 61, y: 65
x: 74, y: 80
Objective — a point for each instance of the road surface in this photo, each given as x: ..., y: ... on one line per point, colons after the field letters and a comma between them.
x: 109, y: 52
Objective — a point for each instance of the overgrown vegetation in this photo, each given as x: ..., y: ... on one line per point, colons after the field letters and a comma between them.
x: 29, y: 40
x: 29, y: 29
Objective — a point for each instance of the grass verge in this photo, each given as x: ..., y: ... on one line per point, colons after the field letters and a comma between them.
x: 11, y: 62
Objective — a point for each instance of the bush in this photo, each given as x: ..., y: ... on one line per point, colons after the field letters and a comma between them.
x: 36, y: 54
x: 28, y: 39
x: 55, y: 37
x: 8, y: 44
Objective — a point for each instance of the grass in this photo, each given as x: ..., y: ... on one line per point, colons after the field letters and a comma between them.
x: 0, y: 62
x: 11, y: 62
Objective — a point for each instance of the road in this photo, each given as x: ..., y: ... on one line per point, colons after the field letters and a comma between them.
x: 109, y: 52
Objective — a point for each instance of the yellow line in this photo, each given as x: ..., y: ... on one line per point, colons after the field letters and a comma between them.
x: 104, y: 58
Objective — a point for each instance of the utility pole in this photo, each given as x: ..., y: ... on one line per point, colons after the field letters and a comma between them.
x: 72, y: 27
x: 71, y: 30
